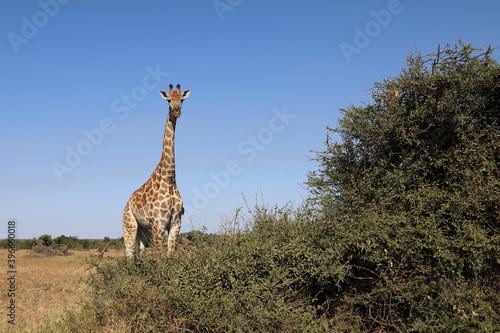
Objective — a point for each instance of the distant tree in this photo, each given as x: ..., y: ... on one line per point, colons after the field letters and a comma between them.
x: 60, y: 240
x: 84, y: 244
x: 65, y: 240
x: 28, y: 244
x: 106, y: 239
x: 46, y: 240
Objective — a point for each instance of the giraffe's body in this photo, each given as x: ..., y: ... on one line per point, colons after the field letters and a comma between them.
x: 156, y: 206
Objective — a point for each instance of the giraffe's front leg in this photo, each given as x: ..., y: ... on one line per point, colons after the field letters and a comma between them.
x: 158, y: 232
x: 173, y: 233
x: 129, y: 231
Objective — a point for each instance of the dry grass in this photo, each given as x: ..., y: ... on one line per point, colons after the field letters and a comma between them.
x: 45, y: 287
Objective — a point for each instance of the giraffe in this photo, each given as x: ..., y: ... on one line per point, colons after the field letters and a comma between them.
x: 157, y: 205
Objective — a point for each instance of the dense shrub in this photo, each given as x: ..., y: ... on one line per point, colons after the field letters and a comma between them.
x: 415, y: 186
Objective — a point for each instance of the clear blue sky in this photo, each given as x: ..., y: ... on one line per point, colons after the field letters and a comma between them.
x: 82, y: 122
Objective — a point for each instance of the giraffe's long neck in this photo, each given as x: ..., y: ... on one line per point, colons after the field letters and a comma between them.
x: 167, y: 162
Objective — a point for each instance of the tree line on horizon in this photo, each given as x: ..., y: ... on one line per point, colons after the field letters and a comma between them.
x: 71, y: 242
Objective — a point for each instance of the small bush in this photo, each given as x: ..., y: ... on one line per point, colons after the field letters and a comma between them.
x: 41, y: 250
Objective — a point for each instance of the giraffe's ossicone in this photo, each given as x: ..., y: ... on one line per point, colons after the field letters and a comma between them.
x: 156, y: 206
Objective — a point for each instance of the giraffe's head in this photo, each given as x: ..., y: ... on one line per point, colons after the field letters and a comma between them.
x: 175, y: 98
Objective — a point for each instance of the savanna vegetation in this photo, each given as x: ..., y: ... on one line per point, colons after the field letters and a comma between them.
x: 66, y: 243
x: 400, y: 233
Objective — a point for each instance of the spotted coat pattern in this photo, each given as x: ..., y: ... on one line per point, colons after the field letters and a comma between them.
x: 157, y: 205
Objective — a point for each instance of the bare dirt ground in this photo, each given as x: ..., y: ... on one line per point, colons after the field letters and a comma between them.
x: 45, y: 287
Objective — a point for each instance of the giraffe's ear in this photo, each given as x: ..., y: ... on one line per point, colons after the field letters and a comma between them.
x: 164, y: 95
x: 185, y: 94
